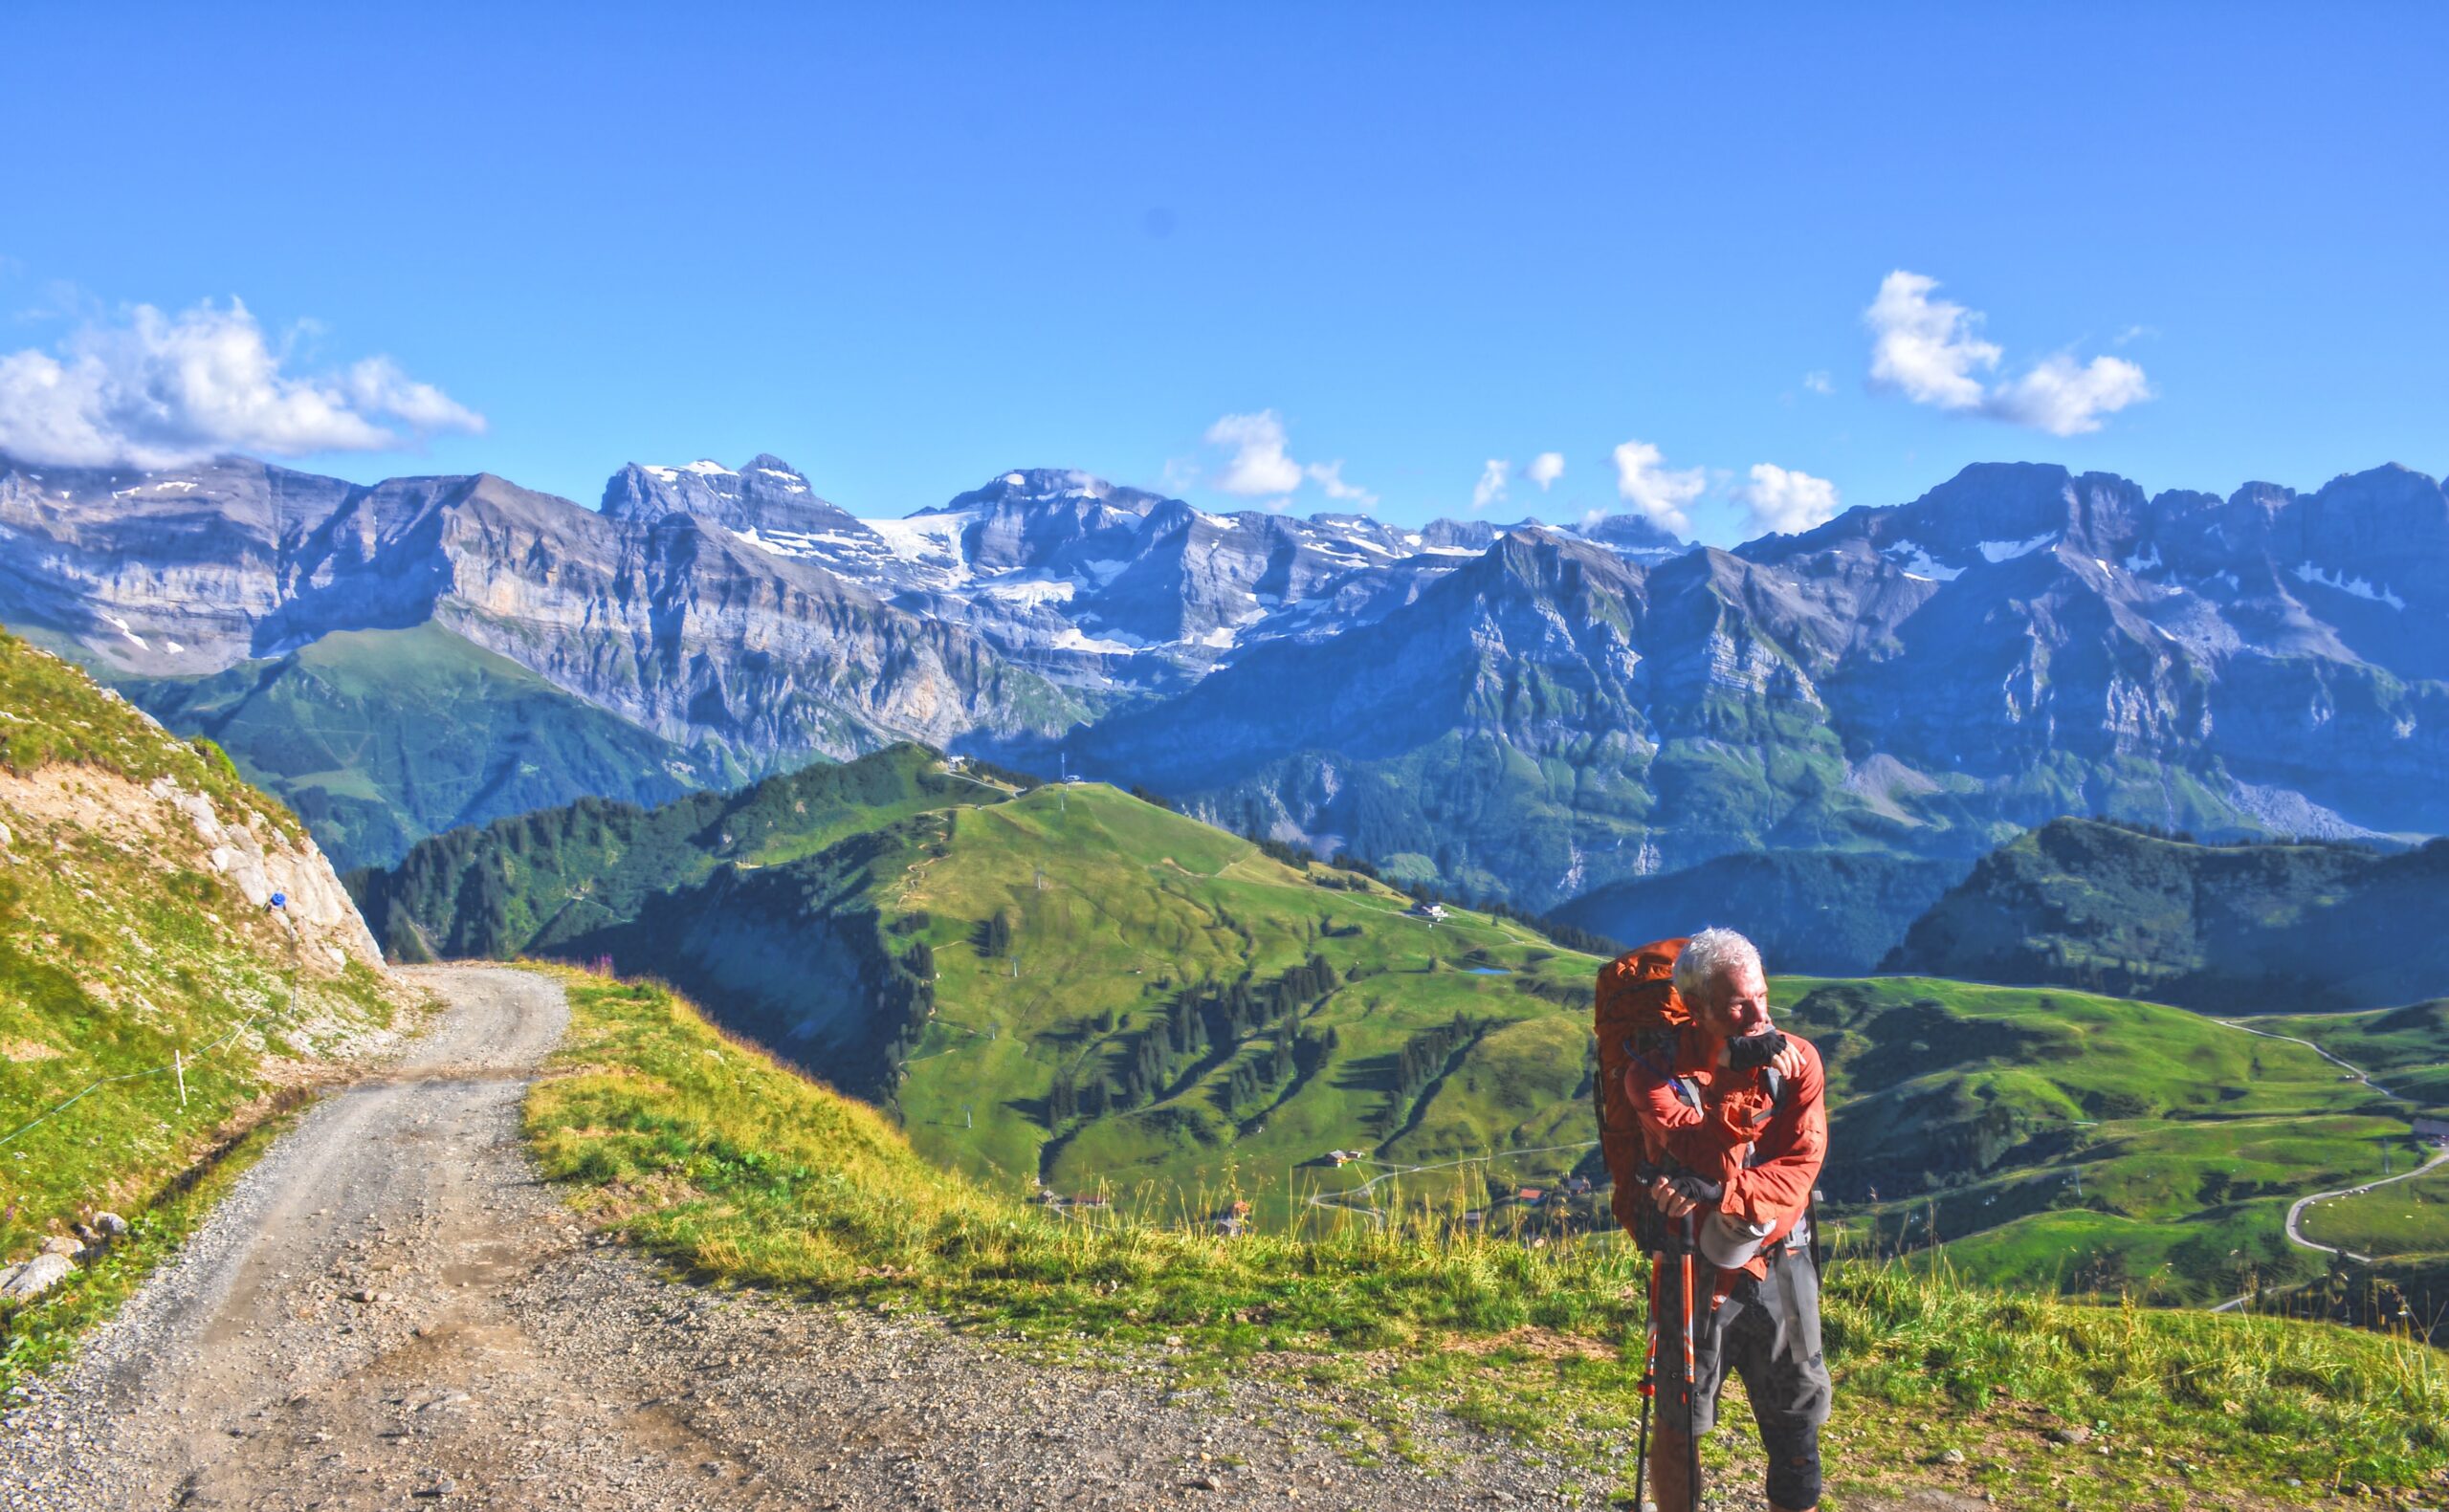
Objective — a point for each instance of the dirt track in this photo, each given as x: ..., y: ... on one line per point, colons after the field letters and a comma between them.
x: 390, y: 1311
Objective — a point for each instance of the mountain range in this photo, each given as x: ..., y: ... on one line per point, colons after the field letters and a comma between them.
x: 1522, y: 712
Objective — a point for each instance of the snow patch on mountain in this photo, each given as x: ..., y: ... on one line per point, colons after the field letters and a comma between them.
x: 1917, y: 562
x: 1999, y: 551
x: 2362, y: 588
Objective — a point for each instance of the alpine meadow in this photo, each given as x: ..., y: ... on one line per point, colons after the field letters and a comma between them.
x: 1106, y: 759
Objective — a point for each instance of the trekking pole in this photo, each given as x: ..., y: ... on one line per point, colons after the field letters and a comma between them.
x: 1649, y: 1381
x: 1692, y: 1409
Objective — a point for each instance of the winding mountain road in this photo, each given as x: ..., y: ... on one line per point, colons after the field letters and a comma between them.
x: 2296, y: 1209
x: 391, y: 1310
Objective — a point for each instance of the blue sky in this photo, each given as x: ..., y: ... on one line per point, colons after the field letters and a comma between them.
x: 907, y: 248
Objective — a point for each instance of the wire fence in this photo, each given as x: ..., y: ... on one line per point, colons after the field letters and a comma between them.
x: 180, y: 1059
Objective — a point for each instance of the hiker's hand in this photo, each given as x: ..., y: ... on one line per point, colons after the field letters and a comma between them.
x: 1755, y: 1050
x: 1681, y: 1191
x: 1669, y: 1201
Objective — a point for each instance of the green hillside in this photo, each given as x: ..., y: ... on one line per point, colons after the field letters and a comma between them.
x: 1074, y: 987
x: 2404, y: 1049
x: 378, y: 738
x: 530, y: 884
x: 127, y: 939
x: 1832, y: 912
x: 2229, y: 928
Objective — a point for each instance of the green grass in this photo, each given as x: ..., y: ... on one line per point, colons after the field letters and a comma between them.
x: 2406, y: 1217
x: 120, y: 948
x: 1115, y: 906
x: 2405, y: 1049
x: 379, y: 738
x: 734, y: 1170
x: 36, y: 1335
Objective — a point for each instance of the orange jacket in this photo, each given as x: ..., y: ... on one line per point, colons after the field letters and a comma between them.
x: 1769, y: 1161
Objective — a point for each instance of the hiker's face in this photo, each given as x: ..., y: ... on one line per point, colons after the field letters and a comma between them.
x: 1738, y: 1002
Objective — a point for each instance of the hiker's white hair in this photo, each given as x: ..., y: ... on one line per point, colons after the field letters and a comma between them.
x: 1709, y: 953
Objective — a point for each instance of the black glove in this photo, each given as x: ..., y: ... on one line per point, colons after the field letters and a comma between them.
x: 1696, y: 1189
x: 1755, y: 1050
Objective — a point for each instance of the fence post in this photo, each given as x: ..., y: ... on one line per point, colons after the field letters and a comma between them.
x: 179, y: 1069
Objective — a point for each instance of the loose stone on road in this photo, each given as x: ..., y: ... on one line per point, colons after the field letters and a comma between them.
x: 392, y: 1310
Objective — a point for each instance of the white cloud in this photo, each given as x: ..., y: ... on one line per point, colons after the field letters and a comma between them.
x: 1658, y: 491
x: 1545, y: 469
x: 1787, y: 501
x: 1490, y: 489
x: 1925, y: 348
x: 2067, y: 399
x: 1258, y: 465
x: 1328, y: 476
x: 1817, y: 381
x: 156, y: 390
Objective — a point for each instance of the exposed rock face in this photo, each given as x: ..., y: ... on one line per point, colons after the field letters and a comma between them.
x: 2017, y: 645
x: 316, y: 905
x: 674, y: 622
x: 1518, y: 711
x: 1112, y: 586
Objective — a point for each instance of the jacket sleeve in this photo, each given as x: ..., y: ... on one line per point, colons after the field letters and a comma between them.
x: 1792, y: 1146
x: 1654, y: 1100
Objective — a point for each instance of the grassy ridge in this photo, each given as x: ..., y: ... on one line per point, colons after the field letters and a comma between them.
x: 2406, y: 1049
x: 382, y: 737
x: 2273, y: 928
x: 530, y: 883
x: 708, y: 1152
x: 1115, y: 907
x: 123, y: 946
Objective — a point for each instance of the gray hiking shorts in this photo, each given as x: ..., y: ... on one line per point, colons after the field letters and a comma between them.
x: 1768, y: 1330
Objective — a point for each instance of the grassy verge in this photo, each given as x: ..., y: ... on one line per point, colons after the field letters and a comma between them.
x: 708, y: 1154
x: 35, y: 1335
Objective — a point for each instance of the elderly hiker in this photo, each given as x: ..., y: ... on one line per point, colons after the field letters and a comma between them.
x: 1715, y: 1125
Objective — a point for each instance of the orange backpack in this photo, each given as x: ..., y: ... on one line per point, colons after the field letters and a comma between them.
x: 1635, y: 1011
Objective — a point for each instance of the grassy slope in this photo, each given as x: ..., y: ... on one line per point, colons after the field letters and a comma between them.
x: 1135, y: 902
x: 2197, y: 1134
x: 117, y: 949
x: 2405, y: 1049
x: 715, y: 1156
x: 2228, y: 928
x: 525, y: 884
x: 2406, y: 1217
x: 1971, y: 1111
x: 379, y: 738
x: 2190, y: 1137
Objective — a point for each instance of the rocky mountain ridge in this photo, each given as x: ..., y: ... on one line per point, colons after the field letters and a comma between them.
x: 1521, y: 712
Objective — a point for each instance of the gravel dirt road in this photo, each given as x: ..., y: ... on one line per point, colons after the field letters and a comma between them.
x: 392, y: 1311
